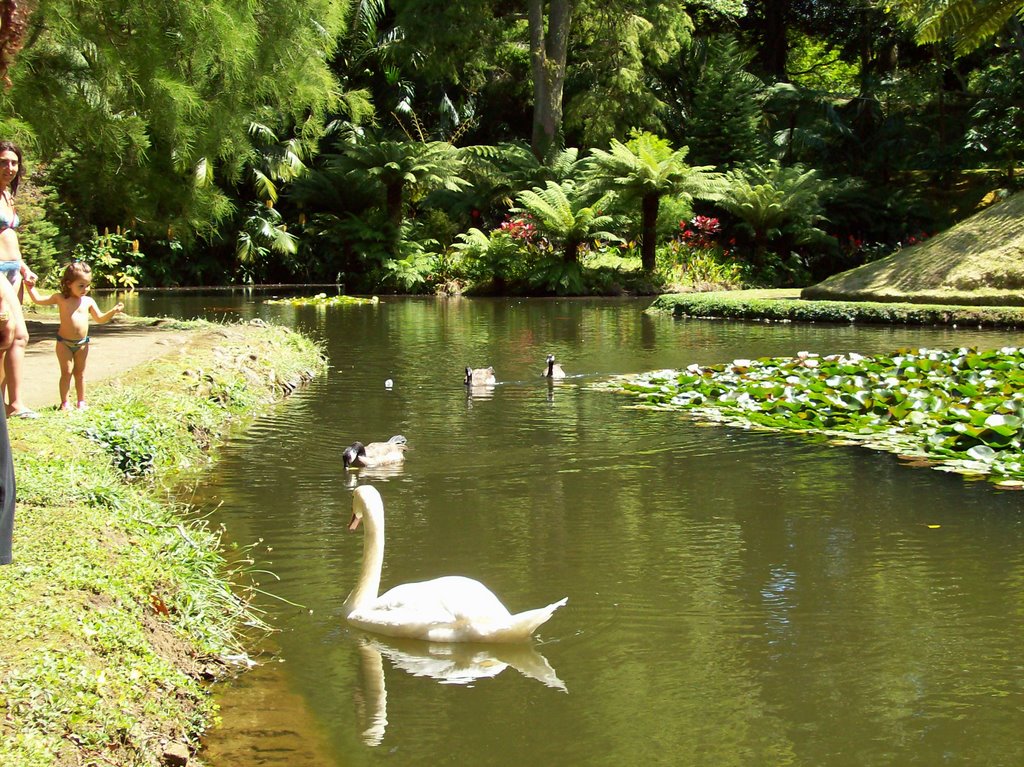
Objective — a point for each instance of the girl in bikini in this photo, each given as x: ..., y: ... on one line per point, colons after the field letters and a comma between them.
x: 75, y: 308
x: 14, y: 270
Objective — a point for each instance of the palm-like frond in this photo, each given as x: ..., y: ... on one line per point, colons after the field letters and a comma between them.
x: 261, y: 233
x: 562, y: 213
x: 967, y: 23
x: 501, y: 171
x: 424, y: 166
x: 766, y: 198
x: 647, y: 165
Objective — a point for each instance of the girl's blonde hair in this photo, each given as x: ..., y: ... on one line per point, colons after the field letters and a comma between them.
x: 76, y: 270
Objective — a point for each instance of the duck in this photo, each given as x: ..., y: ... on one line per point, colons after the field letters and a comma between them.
x: 375, y: 453
x: 480, y: 376
x: 452, y: 608
x: 553, y: 370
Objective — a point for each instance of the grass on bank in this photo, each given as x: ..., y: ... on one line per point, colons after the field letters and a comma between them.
x: 119, y: 602
x: 786, y: 306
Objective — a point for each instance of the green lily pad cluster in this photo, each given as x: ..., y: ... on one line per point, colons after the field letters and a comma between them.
x: 322, y: 299
x: 959, y: 410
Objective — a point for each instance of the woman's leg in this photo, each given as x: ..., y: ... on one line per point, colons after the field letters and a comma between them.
x: 6, y: 493
x: 6, y: 462
x: 15, y: 355
x: 12, y: 369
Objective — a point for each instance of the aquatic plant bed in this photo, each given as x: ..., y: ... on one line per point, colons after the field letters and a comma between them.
x: 322, y: 299
x: 787, y: 306
x: 958, y: 410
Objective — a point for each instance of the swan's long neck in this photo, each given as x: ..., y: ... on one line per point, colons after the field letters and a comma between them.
x: 368, y: 586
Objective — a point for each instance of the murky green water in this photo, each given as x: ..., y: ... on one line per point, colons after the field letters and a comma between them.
x: 735, y: 598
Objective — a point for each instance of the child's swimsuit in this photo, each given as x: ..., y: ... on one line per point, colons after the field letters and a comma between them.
x: 74, y: 346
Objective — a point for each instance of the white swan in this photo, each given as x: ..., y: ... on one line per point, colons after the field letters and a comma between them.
x: 449, y: 609
x: 465, y: 663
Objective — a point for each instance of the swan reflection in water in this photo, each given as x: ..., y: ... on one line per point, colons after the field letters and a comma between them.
x: 448, y: 663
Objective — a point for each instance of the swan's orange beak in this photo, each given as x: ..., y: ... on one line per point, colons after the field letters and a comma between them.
x: 353, y: 523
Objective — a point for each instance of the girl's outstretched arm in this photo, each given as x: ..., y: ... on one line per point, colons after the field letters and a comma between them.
x: 94, y: 310
x: 50, y: 300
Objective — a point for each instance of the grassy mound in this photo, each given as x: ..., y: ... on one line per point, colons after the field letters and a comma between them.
x: 978, y: 262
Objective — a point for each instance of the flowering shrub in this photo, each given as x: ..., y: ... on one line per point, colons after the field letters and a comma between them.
x: 695, y: 259
x: 115, y: 259
x: 858, y: 251
x: 520, y: 228
x: 700, y: 232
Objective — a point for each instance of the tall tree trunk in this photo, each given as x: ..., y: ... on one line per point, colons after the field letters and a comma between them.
x: 571, y: 254
x: 548, y: 51
x: 393, y: 203
x: 649, y: 231
x: 13, y: 20
x: 773, y: 52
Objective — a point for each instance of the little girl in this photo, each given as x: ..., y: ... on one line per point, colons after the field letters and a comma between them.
x: 73, y: 337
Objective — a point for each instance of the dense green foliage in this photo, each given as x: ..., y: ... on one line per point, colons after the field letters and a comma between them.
x: 143, y: 113
x: 361, y: 141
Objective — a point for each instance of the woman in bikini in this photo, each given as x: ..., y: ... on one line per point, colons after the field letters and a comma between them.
x: 75, y: 308
x: 14, y: 271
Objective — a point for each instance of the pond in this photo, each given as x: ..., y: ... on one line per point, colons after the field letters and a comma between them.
x: 735, y: 597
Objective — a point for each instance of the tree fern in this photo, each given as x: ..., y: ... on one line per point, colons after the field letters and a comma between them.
x: 643, y: 171
x: 562, y: 214
x: 966, y: 23
x: 772, y: 200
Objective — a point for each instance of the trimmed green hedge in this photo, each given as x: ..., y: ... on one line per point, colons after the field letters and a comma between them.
x: 785, y: 305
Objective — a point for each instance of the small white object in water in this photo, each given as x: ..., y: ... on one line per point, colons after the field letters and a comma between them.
x: 388, y: 384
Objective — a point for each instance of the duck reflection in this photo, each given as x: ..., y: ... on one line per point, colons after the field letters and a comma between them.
x: 364, y: 475
x: 483, y: 391
x: 448, y: 663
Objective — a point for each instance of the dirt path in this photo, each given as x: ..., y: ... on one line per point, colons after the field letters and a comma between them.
x: 115, y: 348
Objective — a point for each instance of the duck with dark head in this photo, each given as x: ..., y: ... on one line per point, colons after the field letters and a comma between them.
x: 358, y: 455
